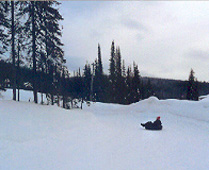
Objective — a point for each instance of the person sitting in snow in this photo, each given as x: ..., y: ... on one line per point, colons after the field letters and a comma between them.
x: 157, y: 122
x: 156, y: 125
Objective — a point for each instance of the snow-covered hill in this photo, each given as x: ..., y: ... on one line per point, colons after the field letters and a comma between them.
x: 104, y: 136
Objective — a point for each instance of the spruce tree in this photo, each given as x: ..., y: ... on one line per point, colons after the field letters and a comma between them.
x: 123, y: 69
x: 63, y: 87
x: 87, y: 82
x: 148, y: 89
x: 96, y: 82
x: 192, y: 87
x: 99, y: 77
x: 129, y: 85
x: 4, y: 25
x: 118, y: 69
x: 100, y: 67
x: 119, y: 80
x: 136, y: 84
x: 43, y: 25
x: 51, y: 34
x: 112, y: 73
x: 112, y: 63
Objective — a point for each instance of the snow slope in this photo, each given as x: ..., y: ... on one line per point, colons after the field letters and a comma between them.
x: 104, y: 136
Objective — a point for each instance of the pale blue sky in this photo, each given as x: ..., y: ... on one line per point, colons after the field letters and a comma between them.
x: 165, y: 38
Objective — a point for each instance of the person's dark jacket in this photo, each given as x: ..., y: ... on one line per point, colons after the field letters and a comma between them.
x: 157, y: 123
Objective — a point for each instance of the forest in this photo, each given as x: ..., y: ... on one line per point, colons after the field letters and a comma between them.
x: 32, y: 58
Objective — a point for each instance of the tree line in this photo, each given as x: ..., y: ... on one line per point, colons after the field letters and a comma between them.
x: 30, y: 34
x: 126, y: 85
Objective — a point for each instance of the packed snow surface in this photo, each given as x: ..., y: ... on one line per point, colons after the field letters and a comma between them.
x: 104, y: 136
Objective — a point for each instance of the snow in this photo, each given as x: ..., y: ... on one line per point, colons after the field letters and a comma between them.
x: 25, y: 95
x: 103, y: 136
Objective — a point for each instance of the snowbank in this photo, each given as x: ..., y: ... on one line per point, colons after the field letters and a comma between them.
x: 104, y: 136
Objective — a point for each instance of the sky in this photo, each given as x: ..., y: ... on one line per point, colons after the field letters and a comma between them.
x: 165, y: 38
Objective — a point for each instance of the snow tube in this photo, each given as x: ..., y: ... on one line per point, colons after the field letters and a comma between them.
x: 151, y: 126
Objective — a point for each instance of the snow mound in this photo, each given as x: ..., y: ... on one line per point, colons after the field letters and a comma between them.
x: 204, y: 98
x: 152, y: 100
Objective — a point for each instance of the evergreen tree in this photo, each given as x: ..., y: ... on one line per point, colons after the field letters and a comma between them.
x: 119, y: 80
x: 63, y: 87
x: 87, y: 81
x: 51, y: 32
x: 79, y: 86
x: 112, y: 62
x: 129, y: 86
x: 123, y: 85
x: 92, y: 96
x: 51, y: 45
x: 100, y: 67
x: 95, y: 84
x: 42, y: 28
x: 112, y: 74
x: 5, y: 73
x: 118, y: 69
x: 4, y: 25
x: 99, y: 77
x: 149, y: 89
x: 136, y: 84
x: 50, y: 85
x: 123, y: 69
x: 192, y: 87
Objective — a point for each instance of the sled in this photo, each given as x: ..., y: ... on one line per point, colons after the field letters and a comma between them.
x: 149, y: 126
x: 154, y: 128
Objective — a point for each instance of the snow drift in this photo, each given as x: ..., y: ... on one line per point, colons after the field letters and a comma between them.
x: 104, y: 136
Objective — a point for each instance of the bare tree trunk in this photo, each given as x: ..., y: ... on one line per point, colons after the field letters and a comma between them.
x: 13, y: 51
x: 18, y: 73
x: 34, y: 53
